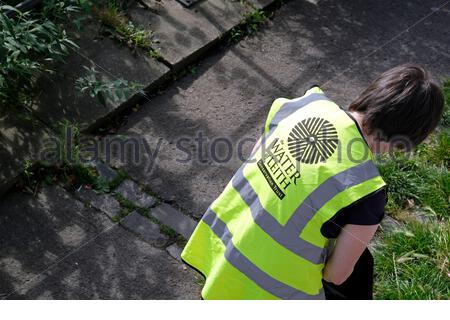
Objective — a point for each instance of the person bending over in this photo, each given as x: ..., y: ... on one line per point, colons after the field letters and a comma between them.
x: 295, y: 220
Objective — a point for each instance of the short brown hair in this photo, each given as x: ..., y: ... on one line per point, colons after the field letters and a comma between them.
x: 403, y: 101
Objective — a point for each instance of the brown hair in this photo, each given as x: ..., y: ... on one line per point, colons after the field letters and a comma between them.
x: 403, y: 101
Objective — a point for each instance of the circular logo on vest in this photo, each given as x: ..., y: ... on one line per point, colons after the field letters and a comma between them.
x: 313, y: 140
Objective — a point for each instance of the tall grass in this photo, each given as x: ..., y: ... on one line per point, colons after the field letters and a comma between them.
x: 414, y: 263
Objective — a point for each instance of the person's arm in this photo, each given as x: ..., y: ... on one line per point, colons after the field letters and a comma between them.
x: 350, y: 244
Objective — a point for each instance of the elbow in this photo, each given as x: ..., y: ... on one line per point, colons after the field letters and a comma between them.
x: 337, y: 278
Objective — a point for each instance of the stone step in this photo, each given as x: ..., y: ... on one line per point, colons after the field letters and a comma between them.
x: 174, y: 250
x: 59, y: 99
x: 100, y: 201
x: 183, y: 34
x: 145, y: 229
x: 132, y: 192
x: 171, y: 217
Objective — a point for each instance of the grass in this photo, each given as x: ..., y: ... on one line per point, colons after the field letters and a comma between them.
x: 251, y: 22
x: 414, y: 263
x: 122, y: 29
x: 119, y: 27
x: 414, y: 180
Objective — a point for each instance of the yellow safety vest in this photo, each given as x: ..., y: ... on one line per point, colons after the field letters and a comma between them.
x: 261, y: 239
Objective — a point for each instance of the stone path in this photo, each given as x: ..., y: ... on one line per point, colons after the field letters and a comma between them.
x: 125, y: 244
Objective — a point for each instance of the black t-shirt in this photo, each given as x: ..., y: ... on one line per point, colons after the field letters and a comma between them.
x: 366, y: 211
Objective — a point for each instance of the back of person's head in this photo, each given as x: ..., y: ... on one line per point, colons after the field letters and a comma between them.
x: 403, y: 102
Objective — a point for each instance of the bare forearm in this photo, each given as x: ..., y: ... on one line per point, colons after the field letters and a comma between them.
x: 350, y: 244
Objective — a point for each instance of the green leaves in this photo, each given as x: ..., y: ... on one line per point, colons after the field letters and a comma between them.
x: 26, y: 42
x: 117, y: 90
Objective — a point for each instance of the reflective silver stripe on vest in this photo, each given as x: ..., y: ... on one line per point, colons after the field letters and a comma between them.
x: 271, y: 226
x: 327, y: 190
x: 244, y: 265
x: 288, y: 235
x: 290, y: 107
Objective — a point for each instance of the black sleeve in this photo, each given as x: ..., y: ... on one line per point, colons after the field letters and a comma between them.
x: 367, y: 211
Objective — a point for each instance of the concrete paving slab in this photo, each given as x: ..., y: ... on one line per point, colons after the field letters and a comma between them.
x: 174, y: 219
x: 117, y: 265
x: 58, y: 98
x: 21, y: 139
x: 339, y: 45
x: 100, y: 201
x: 145, y: 229
x: 36, y: 232
x: 131, y: 191
x: 175, y: 251
x: 185, y: 33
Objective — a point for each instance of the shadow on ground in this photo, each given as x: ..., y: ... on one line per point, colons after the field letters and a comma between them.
x: 52, y: 246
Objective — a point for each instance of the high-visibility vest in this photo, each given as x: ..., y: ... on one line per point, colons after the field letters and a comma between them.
x: 261, y: 239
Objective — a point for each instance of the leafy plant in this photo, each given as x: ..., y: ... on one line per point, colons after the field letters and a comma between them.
x: 28, y: 171
x: 27, y: 43
x: 254, y: 20
x: 251, y: 23
x: 116, y: 90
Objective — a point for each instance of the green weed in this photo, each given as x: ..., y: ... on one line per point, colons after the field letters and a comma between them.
x: 122, y: 29
x: 251, y: 22
x: 27, y: 43
x: 122, y: 214
x: 155, y: 54
x: 125, y: 203
x: 254, y: 20
x: 116, y: 91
